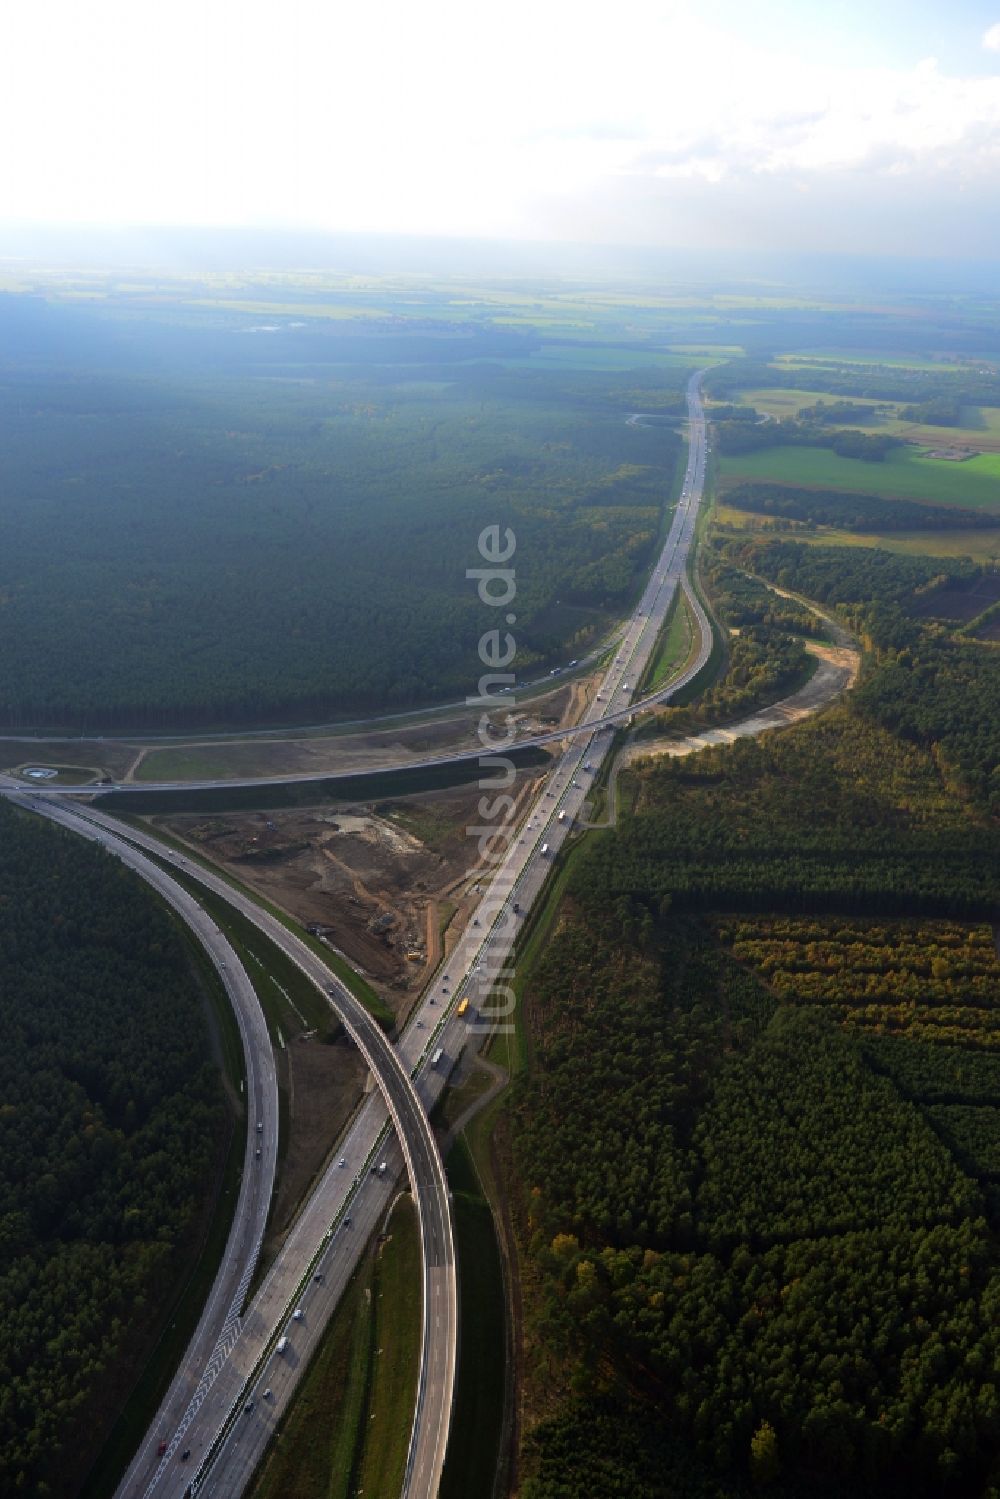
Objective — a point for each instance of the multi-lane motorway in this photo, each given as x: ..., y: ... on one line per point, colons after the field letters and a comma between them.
x: 224, y: 1405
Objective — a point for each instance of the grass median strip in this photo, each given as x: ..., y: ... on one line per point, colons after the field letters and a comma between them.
x: 348, y: 1428
x: 474, y: 1450
x: 313, y: 1455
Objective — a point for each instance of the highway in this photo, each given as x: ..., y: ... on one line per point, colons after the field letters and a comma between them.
x: 219, y: 1323
x: 477, y: 968
x: 212, y: 1438
x: 242, y: 1389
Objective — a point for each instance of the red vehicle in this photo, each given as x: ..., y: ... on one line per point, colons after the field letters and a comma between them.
x: 161, y: 1449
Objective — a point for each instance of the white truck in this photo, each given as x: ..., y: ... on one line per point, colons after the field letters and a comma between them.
x: 545, y: 849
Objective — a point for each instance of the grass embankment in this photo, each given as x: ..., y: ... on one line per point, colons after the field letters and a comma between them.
x: 344, y: 1433
x: 181, y: 1313
x: 509, y: 1046
x: 312, y: 1456
x: 713, y: 666
x: 477, y: 1428
x: 396, y: 1341
x: 375, y: 786
x: 672, y: 647
x: 974, y: 484
x: 353, y: 981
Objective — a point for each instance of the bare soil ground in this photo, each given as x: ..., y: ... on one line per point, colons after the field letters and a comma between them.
x: 390, y: 886
x: 378, y: 882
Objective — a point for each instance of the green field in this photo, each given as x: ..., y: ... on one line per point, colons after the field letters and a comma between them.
x: 981, y: 546
x: 806, y: 357
x: 396, y: 1357
x: 974, y: 484
x: 313, y: 1456
x: 673, y: 646
x: 981, y: 432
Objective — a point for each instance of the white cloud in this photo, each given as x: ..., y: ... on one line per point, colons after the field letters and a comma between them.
x: 440, y: 116
x: 991, y: 38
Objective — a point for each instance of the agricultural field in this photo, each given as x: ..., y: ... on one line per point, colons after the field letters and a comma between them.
x: 973, y: 484
x: 980, y: 430
x: 827, y: 358
x: 981, y: 546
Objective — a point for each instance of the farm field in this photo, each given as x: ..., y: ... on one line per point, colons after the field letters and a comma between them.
x: 982, y: 432
x: 981, y: 546
x: 974, y: 484
x: 832, y: 356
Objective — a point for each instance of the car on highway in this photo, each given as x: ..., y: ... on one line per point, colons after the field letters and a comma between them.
x: 342, y: 1162
x: 298, y: 1314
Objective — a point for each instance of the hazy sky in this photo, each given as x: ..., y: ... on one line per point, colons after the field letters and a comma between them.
x: 868, y: 125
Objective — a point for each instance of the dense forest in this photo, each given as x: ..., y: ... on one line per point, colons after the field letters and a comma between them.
x: 290, y: 539
x: 937, y: 689
x: 743, y: 437
x: 758, y: 1145
x: 731, y: 1212
x: 840, y: 815
x: 111, y: 1122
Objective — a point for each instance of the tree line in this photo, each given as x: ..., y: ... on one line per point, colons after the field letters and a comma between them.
x: 851, y: 512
